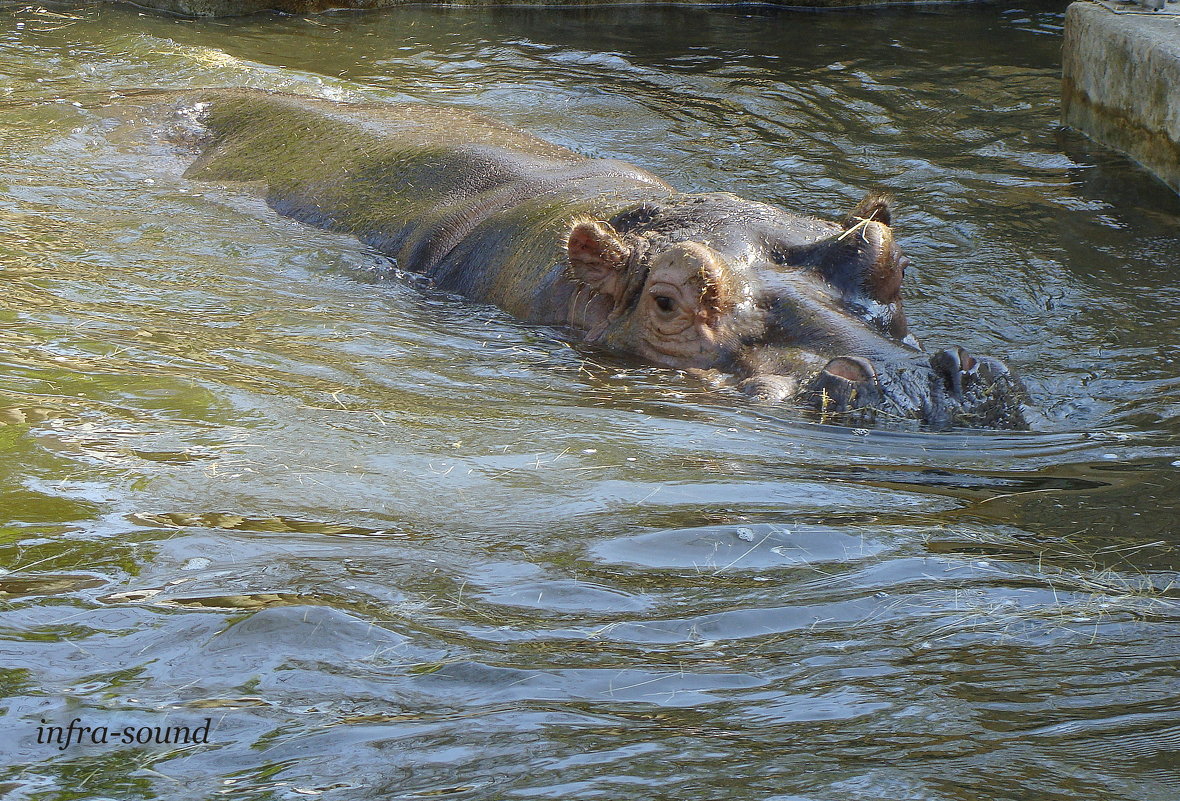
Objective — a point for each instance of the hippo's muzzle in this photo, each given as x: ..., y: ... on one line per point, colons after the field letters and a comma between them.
x: 949, y: 388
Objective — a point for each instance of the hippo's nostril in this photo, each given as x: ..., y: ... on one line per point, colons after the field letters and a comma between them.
x: 847, y: 386
x: 851, y: 368
x: 967, y: 362
x: 948, y: 365
x: 954, y: 365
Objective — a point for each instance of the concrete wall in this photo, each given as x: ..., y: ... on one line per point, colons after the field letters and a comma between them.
x: 1121, y: 83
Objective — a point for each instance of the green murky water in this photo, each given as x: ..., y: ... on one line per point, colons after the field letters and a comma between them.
x: 396, y: 545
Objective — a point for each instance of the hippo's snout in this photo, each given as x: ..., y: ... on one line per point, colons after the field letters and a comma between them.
x: 950, y: 387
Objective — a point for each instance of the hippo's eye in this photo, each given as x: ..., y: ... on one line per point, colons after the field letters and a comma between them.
x: 665, y: 303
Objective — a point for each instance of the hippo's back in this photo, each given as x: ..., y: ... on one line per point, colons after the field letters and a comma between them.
x: 412, y: 180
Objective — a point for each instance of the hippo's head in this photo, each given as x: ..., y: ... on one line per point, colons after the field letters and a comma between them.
x: 796, y: 307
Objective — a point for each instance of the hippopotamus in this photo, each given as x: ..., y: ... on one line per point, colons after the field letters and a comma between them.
x: 790, y: 308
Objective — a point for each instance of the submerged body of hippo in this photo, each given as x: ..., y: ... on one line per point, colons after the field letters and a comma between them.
x: 794, y: 308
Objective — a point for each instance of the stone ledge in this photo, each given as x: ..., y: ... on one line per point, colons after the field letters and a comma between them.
x: 1121, y: 83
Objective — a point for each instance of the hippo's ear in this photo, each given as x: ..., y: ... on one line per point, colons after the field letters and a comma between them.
x: 597, y: 258
x: 876, y: 206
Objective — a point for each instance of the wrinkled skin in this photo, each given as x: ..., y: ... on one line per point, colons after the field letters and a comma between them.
x: 793, y: 308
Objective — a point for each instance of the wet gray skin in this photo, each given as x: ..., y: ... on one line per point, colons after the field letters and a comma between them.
x: 797, y: 308
x: 794, y: 308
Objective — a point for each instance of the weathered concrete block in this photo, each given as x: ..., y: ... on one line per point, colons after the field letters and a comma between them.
x: 1121, y: 83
